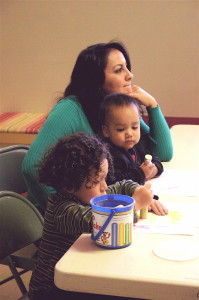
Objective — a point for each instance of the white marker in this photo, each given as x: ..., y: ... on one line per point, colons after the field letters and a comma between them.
x: 148, y: 157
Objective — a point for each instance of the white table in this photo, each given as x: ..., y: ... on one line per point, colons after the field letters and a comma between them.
x: 133, y: 271
x: 186, y: 147
x: 136, y: 271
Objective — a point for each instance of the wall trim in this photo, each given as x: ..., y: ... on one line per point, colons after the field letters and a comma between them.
x: 178, y: 120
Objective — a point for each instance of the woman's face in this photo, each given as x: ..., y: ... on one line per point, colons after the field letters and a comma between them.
x: 117, y: 76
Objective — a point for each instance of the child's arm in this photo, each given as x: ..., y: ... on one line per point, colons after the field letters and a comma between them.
x: 143, y: 195
x: 124, y: 167
x: 123, y: 187
x: 73, y: 218
x: 125, y: 171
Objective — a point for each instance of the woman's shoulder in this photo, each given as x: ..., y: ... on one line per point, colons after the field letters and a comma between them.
x: 69, y: 104
x: 71, y: 100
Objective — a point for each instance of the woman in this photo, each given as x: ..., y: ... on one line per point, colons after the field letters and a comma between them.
x: 99, y: 70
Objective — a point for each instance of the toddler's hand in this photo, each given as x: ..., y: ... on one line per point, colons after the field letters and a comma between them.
x: 143, y: 196
x: 150, y: 170
x: 158, y: 208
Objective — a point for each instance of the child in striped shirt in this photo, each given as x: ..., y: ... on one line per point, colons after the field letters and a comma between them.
x: 76, y: 167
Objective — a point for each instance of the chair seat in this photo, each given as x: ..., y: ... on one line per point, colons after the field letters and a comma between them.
x: 22, y: 226
x: 24, y: 258
x: 24, y: 297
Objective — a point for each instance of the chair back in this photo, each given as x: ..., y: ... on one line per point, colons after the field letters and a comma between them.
x: 20, y: 222
x: 11, y: 177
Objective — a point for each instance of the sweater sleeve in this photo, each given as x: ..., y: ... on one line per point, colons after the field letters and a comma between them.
x: 74, y: 219
x: 124, y: 187
x: 124, y: 166
x: 159, y: 133
x: 123, y: 171
x: 158, y: 164
x: 66, y: 117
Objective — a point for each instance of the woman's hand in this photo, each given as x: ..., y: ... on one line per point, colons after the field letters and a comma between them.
x: 143, y: 97
x: 143, y: 196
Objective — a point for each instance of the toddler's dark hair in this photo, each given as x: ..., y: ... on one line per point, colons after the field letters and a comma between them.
x: 116, y: 99
x: 70, y: 162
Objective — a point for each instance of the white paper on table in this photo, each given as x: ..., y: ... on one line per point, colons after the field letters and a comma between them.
x: 178, y: 250
x: 177, y: 182
x: 164, y: 229
x: 182, y: 219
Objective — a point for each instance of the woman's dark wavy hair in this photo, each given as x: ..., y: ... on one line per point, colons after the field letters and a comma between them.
x: 116, y: 99
x: 70, y: 162
x: 88, y: 77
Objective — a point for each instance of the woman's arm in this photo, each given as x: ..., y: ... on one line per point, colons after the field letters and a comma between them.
x: 158, y: 130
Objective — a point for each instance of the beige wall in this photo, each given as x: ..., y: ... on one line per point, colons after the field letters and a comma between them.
x: 40, y: 40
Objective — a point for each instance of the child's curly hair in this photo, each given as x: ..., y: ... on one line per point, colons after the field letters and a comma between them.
x: 70, y: 162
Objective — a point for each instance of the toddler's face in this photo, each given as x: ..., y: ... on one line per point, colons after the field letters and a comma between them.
x: 123, y: 126
x: 98, y: 184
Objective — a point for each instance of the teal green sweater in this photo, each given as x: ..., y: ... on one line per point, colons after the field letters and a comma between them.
x: 67, y: 117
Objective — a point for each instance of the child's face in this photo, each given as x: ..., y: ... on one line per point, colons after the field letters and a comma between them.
x: 99, y: 188
x: 123, y: 126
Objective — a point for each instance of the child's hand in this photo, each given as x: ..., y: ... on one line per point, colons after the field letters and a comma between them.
x: 143, y: 97
x: 158, y: 208
x: 143, y: 196
x: 150, y: 170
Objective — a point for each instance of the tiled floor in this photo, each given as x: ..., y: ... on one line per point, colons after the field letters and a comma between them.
x: 10, y: 290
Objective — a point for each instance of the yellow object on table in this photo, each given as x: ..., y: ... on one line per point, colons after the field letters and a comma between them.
x: 144, y: 213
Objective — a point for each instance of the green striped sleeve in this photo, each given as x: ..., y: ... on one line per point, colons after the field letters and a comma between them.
x: 124, y: 187
x: 73, y: 219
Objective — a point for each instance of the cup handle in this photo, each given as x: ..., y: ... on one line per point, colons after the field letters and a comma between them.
x: 103, y: 226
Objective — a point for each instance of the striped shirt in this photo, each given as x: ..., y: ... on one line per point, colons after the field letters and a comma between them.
x: 66, y: 218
